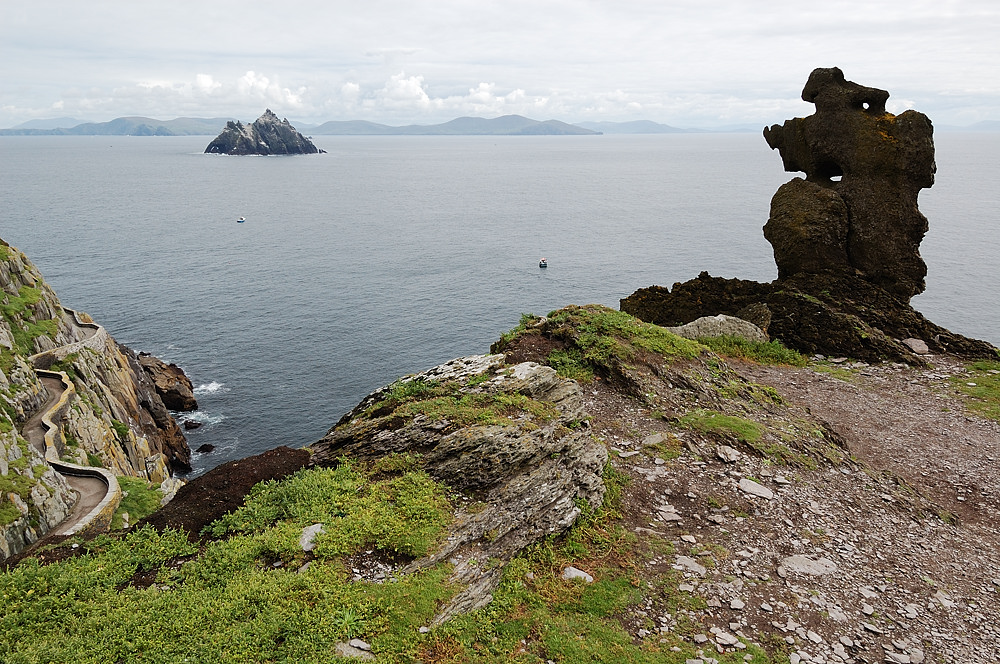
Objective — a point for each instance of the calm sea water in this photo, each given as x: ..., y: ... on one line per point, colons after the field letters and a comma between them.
x: 389, y: 255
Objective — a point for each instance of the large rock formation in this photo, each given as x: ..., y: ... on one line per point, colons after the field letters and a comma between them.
x: 866, y: 218
x: 267, y: 135
x: 114, y: 417
x: 846, y: 238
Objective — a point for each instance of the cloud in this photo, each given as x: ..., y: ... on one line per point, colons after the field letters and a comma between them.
x: 256, y: 87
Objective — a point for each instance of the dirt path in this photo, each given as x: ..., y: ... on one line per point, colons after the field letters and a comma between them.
x: 910, y: 422
x: 894, y: 579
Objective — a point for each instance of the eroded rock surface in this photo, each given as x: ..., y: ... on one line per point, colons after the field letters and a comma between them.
x: 267, y: 135
x: 172, y: 384
x: 858, y: 205
x: 846, y: 238
x: 513, y: 438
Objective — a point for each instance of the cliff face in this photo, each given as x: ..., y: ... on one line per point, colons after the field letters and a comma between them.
x: 116, y: 419
x: 267, y: 135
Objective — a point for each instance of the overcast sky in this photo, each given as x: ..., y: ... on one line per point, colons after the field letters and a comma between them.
x: 680, y: 62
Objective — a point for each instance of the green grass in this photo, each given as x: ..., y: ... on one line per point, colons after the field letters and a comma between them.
x: 226, y: 601
x: 984, y: 393
x: 571, y: 364
x: 121, y: 429
x: 404, y: 514
x: 142, y: 499
x: 771, y: 352
x: 604, y: 334
x: 24, y: 331
x: 709, y: 421
x: 66, y: 365
x: 447, y: 401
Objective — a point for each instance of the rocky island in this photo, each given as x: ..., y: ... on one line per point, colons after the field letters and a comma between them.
x: 266, y: 136
x: 599, y: 488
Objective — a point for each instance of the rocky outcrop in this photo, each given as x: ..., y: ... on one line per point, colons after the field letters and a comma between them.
x: 513, y: 438
x: 829, y: 314
x: 171, y: 383
x: 266, y: 136
x: 857, y: 207
x: 846, y: 238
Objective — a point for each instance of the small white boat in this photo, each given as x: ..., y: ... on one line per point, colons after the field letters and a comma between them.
x: 543, y: 263
x: 241, y: 220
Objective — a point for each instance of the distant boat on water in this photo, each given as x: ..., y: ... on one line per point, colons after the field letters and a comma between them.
x: 241, y: 220
x: 543, y: 263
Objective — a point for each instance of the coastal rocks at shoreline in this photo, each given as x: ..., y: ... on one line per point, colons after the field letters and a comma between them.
x: 266, y: 136
x: 172, y: 384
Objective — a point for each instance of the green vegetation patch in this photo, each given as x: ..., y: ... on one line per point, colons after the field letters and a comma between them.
x: 148, y: 596
x: 771, y: 352
x: 16, y: 312
x: 604, y: 334
x: 982, y: 384
x: 404, y: 514
x: 450, y: 401
x: 66, y: 365
x: 710, y: 421
x: 139, y: 499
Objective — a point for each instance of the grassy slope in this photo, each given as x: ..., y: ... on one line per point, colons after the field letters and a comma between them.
x: 246, y: 595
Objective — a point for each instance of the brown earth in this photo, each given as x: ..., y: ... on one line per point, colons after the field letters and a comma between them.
x: 222, y: 489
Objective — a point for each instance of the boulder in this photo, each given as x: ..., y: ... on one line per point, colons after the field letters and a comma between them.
x: 173, y: 386
x: 846, y: 238
x: 266, y: 136
x: 720, y: 325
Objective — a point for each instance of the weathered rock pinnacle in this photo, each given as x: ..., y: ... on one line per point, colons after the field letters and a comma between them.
x: 857, y: 208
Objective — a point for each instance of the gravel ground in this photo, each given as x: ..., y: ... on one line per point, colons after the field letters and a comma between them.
x: 889, y: 555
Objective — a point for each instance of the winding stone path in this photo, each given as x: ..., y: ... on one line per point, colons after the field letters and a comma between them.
x: 95, y: 488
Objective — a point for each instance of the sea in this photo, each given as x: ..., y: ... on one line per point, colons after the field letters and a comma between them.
x: 390, y: 254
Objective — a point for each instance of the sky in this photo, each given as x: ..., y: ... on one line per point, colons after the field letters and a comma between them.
x: 683, y: 63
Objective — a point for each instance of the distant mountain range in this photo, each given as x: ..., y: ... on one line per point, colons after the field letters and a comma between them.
x: 131, y: 126
x: 507, y: 125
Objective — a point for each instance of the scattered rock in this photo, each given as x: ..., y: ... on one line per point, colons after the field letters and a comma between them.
x: 727, y: 454
x: 571, y: 573
x: 691, y: 565
x: 347, y: 650
x: 718, y: 326
x: 917, y: 346
x: 307, y: 542
x: 800, y: 564
x: 190, y: 425
x: 754, y: 489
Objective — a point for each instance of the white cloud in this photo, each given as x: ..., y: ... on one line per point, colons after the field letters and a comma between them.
x: 680, y: 62
x: 402, y: 91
